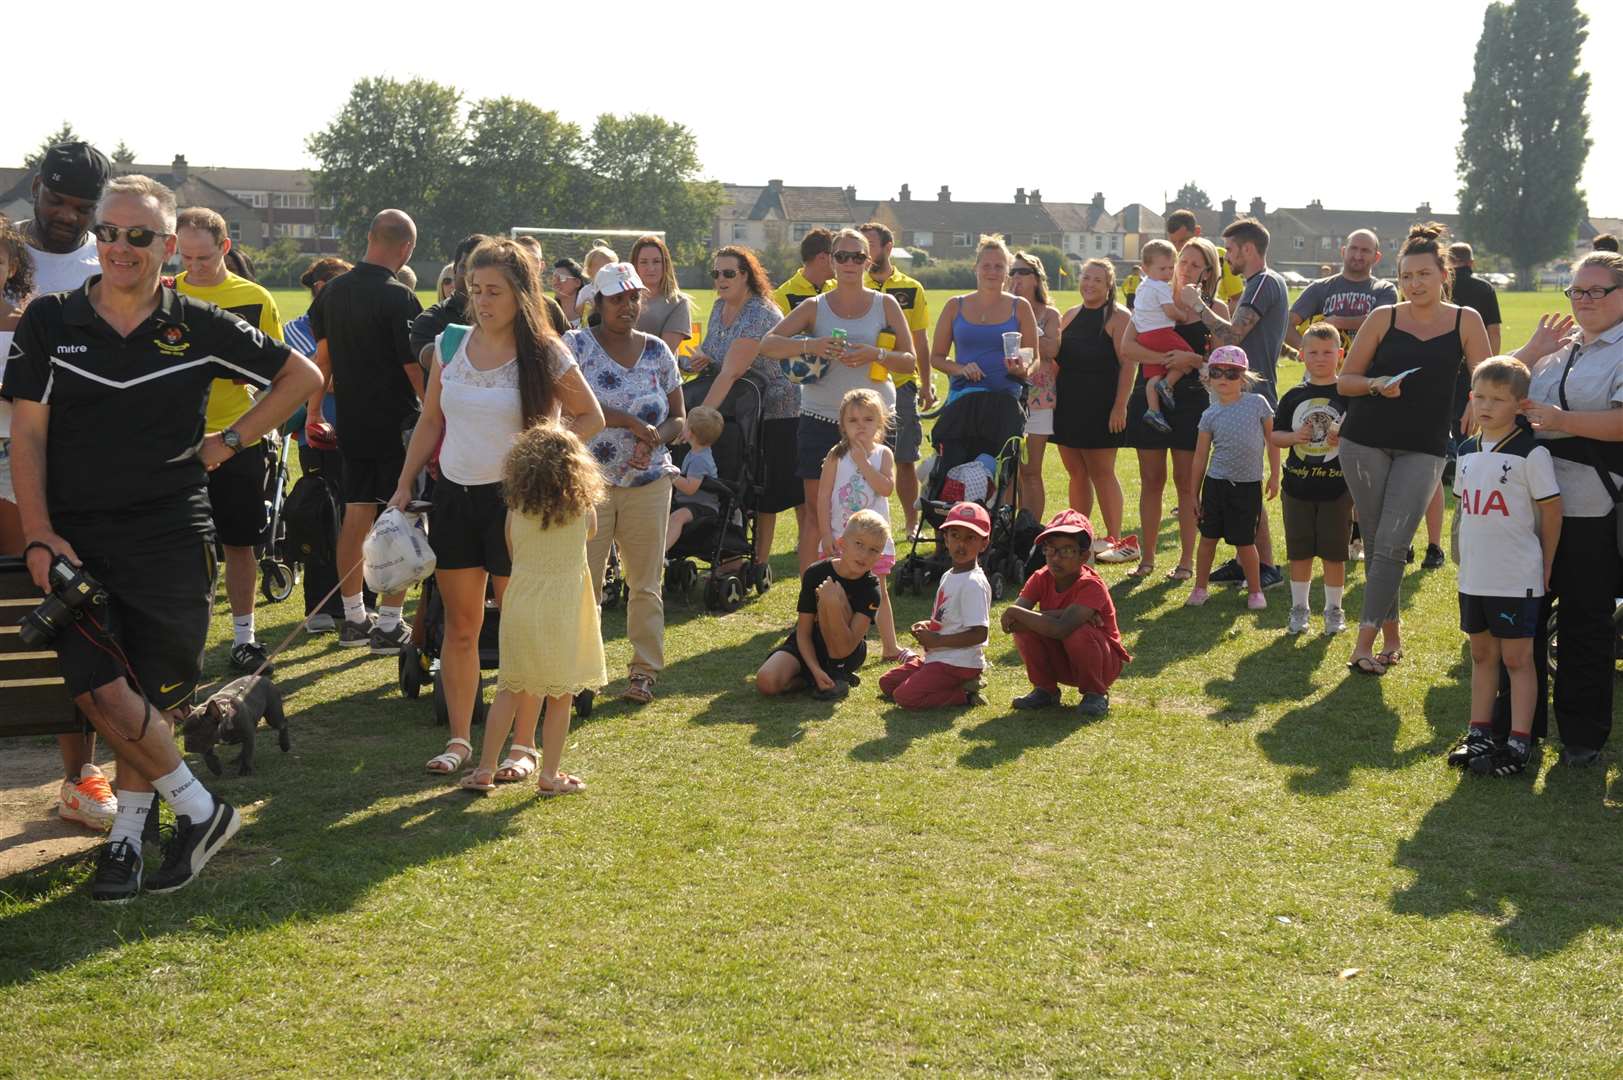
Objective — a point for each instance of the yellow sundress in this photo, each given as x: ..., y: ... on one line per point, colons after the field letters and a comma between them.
x: 551, y: 641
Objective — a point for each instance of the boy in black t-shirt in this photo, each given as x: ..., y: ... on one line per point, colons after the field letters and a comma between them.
x: 1315, y: 501
x: 839, y: 598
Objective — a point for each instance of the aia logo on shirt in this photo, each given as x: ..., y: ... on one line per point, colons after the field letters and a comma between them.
x: 1477, y: 502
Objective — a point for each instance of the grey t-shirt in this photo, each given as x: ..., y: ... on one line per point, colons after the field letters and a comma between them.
x: 1237, y: 439
x: 663, y: 315
x: 1337, y: 297
x: 1265, y: 292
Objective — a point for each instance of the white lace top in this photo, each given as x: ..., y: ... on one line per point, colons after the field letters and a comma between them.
x: 483, y: 413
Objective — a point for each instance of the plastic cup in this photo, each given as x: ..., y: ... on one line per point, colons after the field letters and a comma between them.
x: 1011, y: 344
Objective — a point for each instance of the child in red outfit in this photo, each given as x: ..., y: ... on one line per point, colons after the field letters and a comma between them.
x: 1064, y: 622
x: 954, y: 636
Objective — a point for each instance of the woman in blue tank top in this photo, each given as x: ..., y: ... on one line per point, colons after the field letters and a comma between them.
x: 983, y: 403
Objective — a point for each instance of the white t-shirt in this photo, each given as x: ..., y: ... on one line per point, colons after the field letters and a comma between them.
x: 963, y: 600
x: 1147, y: 301
x: 64, y: 273
x: 1499, y: 489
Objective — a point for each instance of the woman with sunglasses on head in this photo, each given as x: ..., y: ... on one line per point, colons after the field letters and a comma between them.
x: 1573, y: 405
x: 875, y: 343
x: 1028, y: 279
x: 567, y: 281
x: 742, y: 315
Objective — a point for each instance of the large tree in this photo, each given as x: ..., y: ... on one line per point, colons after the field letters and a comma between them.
x: 521, y: 165
x: 394, y: 144
x: 1192, y: 197
x: 1526, y: 133
x: 122, y: 154
x: 645, y: 173
x: 63, y: 134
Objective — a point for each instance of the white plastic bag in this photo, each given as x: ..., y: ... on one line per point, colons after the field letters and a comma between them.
x: 396, y: 554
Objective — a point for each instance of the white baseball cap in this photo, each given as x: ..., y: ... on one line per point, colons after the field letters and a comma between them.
x: 616, y: 278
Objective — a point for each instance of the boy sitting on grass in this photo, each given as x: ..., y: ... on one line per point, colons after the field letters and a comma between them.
x: 1064, y: 622
x: 954, y: 636
x: 691, y: 504
x: 839, y: 598
x: 1509, y: 522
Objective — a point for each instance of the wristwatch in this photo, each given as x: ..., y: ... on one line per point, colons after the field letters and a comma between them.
x: 233, y: 441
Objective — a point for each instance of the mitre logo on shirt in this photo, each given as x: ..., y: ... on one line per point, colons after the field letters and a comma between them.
x: 17, y: 351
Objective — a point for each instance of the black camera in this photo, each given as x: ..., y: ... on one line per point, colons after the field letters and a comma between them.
x: 71, y: 591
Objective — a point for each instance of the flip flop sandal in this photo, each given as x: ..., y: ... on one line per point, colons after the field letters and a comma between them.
x: 1180, y: 573
x: 1143, y: 569
x: 472, y: 782
x: 447, y: 763
x: 1388, y: 658
x: 519, y: 763
x: 562, y: 784
x: 1366, y: 665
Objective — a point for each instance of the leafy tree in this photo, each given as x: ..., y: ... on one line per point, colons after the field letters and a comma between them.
x: 63, y: 134
x: 122, y: 154
x: 393, y: 144
x: 645, y: 173
x: 280, y: 264
x: 1526, y: 133
x: 1192, y: 197
x: 521, y: 166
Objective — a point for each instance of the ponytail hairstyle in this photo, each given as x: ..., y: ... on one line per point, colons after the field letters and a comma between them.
x: 539, y: 351
x: 1430, y: 238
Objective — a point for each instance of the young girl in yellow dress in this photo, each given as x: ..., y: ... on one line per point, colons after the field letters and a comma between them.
x: 551, y: 642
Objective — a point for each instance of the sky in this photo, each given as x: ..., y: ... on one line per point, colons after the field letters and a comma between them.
x: 1066, y: 97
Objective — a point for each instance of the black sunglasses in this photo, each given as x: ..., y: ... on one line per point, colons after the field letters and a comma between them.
x: 1599, y: 292
x: 136, y: 235
x: 850, y: 257
x: 1021, y: 270
x: 728, y: 274
x: 1223, y: 371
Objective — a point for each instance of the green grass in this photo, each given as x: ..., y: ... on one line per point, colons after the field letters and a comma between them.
x: 800, y: 889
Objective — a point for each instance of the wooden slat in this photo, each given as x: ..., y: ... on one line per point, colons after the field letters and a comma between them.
x: 33, y: 698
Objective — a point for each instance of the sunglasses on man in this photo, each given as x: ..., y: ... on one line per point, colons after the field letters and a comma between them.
x: 136, y: 235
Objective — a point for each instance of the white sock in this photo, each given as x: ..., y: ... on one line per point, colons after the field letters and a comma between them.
x: 133, y: 807
x: 1299, y: 593
x: 185, y: 793
x: 354, y: 609
x: 242, y: 627
x: 1332, y: 595
x: 388, y: 617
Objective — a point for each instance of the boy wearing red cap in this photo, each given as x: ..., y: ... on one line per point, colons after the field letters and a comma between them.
x: 1064, y: 622
x: 954, y: 636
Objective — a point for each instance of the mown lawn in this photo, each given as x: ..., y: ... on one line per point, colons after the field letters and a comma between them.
x: 1257, y: 865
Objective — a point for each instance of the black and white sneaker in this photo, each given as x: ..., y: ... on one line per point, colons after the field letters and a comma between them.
x: 248, y: 656
x: 1476, y: 743
x: 1269, y: 575
x: 118, y: 873
x: 390, y: 642
x: 1506, y: 760
x: 193, y: 846
x: 1229, y: 573
x: 1435, y: 559
x: 354, y: 635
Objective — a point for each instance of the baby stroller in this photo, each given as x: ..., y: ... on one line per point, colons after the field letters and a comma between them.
x: 1013, y: 529
x: 278, y: 569
x: 726, y: 544
x: 419, y: 666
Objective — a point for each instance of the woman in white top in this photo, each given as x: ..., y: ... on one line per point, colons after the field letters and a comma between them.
x: 486, y: 385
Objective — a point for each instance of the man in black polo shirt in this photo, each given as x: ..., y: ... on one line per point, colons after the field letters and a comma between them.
x: 362, y: 325
x: 110, y: 384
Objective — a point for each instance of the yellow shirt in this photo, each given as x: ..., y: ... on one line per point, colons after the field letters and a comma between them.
x: 253, y: 305
x: 797, y: 289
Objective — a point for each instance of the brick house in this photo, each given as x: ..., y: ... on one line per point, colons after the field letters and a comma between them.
x: 776, y: 214
x: 951, y: 230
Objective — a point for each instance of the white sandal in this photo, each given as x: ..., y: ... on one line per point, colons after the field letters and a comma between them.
x: 447, y: 763
x: 519, y: 763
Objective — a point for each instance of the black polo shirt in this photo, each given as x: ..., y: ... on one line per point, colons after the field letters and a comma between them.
x: 365, y: 317
x: 1472, y: 292
x: 127, y: 413
x: 454, y: 309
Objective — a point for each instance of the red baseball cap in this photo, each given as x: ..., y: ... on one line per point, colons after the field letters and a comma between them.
x: 1067, y: 523
x: 971, y: 516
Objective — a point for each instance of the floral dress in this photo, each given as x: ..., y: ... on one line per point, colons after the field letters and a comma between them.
x: 642, y: 390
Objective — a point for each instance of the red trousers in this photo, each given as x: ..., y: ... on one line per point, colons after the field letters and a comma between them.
x: 1083, y: 659
x: 920, y: 685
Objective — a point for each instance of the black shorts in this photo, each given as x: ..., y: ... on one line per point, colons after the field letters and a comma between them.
x: 157, y: 613
x: 814, y: 438
x: 468, y: 528
x: 372, y: 480
x: 237, y: 497
x: 1317, y: 529
x: 700, y: 512
x: 833, y: 668
x: 1501, y: 616
x: 1229, y: 510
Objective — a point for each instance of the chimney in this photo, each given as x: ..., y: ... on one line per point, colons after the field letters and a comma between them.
x: 179, y: 169
x: 1259, y: 209
x: 944, y: 195
x: 1036, y: 197
x: 775, y: 185
x: 851, y: 193
x: 1315, y: 205
x: 1098, y: 201
x: 1424, y: 210
x: 1229, y: 207
x: 1019, y: 196
x: 905, y: 195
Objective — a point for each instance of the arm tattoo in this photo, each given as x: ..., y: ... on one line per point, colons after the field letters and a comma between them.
x: 1230, y: 333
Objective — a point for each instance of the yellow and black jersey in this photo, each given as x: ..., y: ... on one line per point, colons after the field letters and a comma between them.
x: 252, y: 304
x: 915, y: 307
x: 798, y: 289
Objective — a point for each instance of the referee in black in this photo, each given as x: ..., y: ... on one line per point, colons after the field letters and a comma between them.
x: 109, y: 383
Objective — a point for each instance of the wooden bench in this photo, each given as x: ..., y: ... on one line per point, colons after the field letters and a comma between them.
x: 33, y: 698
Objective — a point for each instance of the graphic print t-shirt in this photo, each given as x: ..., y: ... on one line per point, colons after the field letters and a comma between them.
x: 1312, y: 469
x: 1336, y: 297
x: 963, y: 600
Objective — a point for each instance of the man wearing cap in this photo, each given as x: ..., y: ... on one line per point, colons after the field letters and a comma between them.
x: 361, y: 322
x: 111, y: 463
x: 1064, y: 622
x: 65, y: 191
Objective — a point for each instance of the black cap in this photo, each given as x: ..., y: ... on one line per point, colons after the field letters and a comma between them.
x: 76, y: 168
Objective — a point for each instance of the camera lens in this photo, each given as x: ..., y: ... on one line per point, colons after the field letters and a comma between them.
x: 39, y: 627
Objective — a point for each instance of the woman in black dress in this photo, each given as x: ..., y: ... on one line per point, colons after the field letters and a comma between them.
x: 1198, y: 264
x: 1090, y: 395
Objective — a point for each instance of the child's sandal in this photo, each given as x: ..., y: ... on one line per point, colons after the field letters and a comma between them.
x: 481, y: 781
x: 562, y: 784
x: 519, y: 763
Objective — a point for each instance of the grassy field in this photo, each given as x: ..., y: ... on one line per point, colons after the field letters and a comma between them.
x: 1256, y: 865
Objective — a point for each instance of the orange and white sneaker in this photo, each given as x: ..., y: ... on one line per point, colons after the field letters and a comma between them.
x: 1124, y: 550
x: 90, y: 801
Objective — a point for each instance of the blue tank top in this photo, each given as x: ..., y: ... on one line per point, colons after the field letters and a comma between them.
x: 975, y: 343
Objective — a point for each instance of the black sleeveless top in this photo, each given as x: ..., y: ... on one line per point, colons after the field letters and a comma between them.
x: 1085, y: 388
x: 1419, y: 419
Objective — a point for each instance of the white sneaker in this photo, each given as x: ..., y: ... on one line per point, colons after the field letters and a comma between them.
x: 1335, y: 620
x: 321, y: 623
x: 1298, y: 623
x: 89, y: 801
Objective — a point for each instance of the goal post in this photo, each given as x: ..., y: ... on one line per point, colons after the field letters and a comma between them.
x: 576, y: 242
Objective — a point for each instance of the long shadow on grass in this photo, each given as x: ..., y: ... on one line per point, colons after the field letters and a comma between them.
x: 1541, y: 867
x: 904, y: 727
x: 1282, y: 670
x: 1005, y: 738
x: 779, y: 722
x: 1351, y: 727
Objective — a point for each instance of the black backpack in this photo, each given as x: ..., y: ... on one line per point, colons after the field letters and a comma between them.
x: 311, y: 516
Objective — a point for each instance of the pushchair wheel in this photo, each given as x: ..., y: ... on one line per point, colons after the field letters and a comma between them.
x: 412, y: 672
x: 762, y: 573
x: 679, y: 578
x: 276, y: 580
x: 732, y: 593
x: 583, y: 703
x: 998, y: 584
